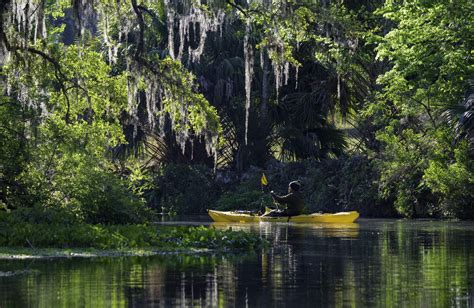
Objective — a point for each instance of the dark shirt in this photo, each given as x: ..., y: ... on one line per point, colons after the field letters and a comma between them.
x: 294, y: 203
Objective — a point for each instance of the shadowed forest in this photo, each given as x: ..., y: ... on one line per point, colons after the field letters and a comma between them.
x: 114, y: 111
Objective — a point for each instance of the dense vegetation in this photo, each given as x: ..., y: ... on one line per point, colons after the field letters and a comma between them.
x: 112, y: 112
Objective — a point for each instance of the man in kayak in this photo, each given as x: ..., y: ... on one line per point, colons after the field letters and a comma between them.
x: 293, y: 200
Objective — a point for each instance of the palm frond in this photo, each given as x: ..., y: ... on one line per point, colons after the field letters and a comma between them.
x: 320, y: 142
x: 461, y: 116
x: 226, y: 153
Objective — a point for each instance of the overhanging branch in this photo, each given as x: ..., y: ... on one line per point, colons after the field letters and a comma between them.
x: 141, y: 27
x: 58, y: 74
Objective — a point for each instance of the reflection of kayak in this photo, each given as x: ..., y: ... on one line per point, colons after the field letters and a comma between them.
x: 230, y: 216
x: 331, y: 229
x: 319, y: 229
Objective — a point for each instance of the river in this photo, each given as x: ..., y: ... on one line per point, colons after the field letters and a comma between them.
x: 374, y: 263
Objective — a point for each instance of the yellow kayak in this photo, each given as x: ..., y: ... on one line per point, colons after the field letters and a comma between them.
x: 231, y: 216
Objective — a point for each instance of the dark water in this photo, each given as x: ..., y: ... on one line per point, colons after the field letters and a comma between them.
x: 382, y: 263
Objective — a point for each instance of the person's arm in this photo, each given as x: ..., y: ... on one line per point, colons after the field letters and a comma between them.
x: 282, y: 199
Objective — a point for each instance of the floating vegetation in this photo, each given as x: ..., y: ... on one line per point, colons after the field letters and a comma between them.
x: 166, y: 238
x: 17, y: 272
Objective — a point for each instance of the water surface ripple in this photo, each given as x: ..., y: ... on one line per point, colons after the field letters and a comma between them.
x: 374, y: 263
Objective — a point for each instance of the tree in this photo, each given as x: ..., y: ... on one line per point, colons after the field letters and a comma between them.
x: 75, y: 100
x: 429, y: 49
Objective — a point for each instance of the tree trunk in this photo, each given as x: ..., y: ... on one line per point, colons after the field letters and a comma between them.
x: 3, y: 15
x: 265, y: 81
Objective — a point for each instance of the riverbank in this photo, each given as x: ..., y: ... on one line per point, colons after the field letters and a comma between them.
x: 29, y: 240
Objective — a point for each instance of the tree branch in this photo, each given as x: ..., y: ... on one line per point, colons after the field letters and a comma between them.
x: 141, y: 26
x: 237, y: 7
x: 58, y: 74
x: 151, y: 13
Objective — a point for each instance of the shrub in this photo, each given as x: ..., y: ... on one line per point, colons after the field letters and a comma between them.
x: 91, y: 194
x: 426, y: 174
x: 453, y: 183
x: 43, y: 215
x: 17, y: 233
x: 247, y: 195
x: 401, y: 166
x: 183, y: 189
x: 105, y: 199
x: 242, y: 200
x: 204, y: 237
x: 347, y: 183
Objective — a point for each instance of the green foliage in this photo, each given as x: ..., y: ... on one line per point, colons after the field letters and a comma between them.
x: 204, y: 237
x: 103, y: 198
x: 13, y: 150
x: 333, y: 185
x: 426, y: 174
x: 422, y: 169
x: 451, y: 179
x: 14, y: 231
x: 41, y: 215
x: 348, y: 183
x: 64, y: 163
x: 66, y: 106
x: 182, y: 189
x: 281, y: 30
x: 243, y: 198
x: 430, y: 51
x: 55, y: 231
x: 402, y: 166
x: 188, y: 110
x: 390, y: 67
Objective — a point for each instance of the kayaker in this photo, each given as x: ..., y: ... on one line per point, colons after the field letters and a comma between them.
x: 293, y: 200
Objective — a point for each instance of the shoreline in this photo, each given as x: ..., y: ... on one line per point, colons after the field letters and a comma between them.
x: 56, y: 253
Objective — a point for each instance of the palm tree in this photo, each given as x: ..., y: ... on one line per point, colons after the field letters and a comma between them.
x: 461, y: 117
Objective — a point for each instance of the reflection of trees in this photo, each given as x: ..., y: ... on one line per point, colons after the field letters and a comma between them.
x: 424, y: 263
x: 294, y: 263
x: 377, y: 264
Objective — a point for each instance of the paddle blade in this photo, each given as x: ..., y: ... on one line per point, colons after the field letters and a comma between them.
x: 263, y: 180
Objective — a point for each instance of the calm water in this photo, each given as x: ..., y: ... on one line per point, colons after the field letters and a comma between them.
x: 379, y: 263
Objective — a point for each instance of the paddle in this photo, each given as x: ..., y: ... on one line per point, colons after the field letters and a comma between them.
x: 265, y: 188
x: 264, y: 183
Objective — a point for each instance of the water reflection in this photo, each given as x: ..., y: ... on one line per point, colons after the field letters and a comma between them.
x: 273, y: 231
x: 373, y: 263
